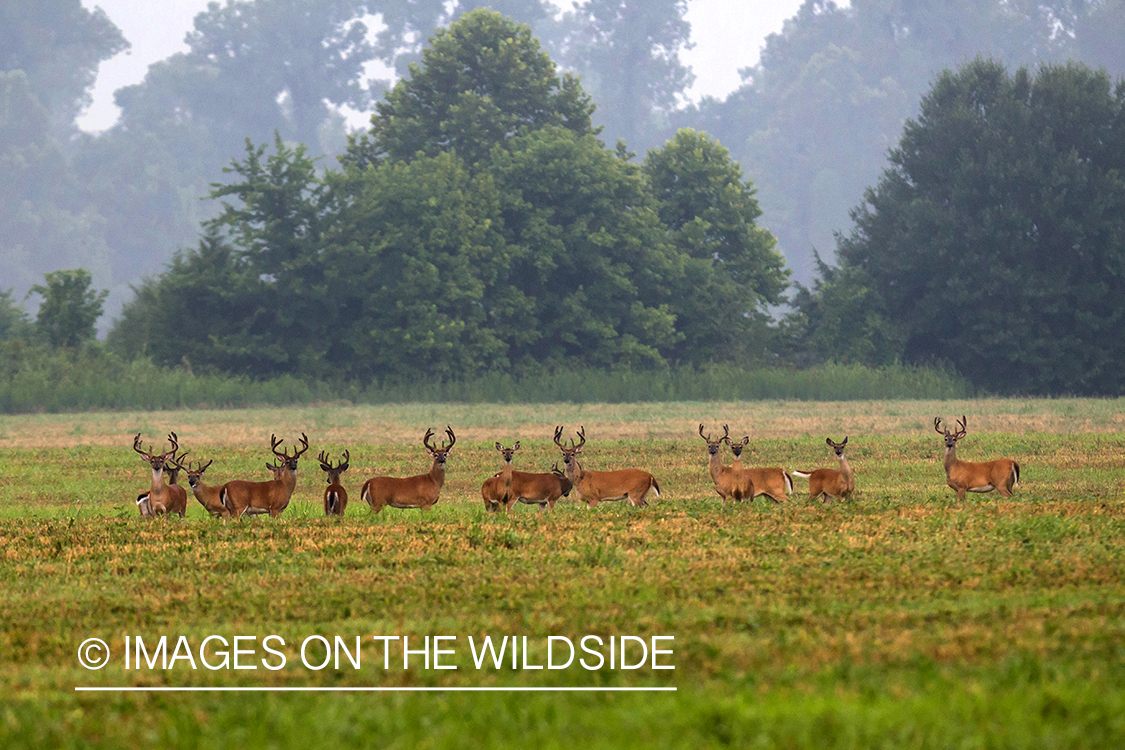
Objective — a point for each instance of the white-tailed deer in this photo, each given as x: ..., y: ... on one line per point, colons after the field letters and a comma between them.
x: 335, y: 496
x: 730, y: 483
x: 774, y: 483
x: 242, y: 497
x: 172, y: 467
x: 207, y: 495
x: 595, y: 486
x: 542, y: 489
x: 828, y: 483
x: 419, y: 491
x: 1001, y: 475
x: 161, y: 498
x: 498, y: 488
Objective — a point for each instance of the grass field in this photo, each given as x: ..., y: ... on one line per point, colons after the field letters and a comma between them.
x: 900, y: 618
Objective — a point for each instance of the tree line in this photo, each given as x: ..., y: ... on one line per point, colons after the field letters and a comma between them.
x: 482, y: 225
x: 810, y: 125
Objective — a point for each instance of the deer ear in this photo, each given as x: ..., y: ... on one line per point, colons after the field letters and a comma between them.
x: 499, y: 447
x: 516, y: 447
x: 829, y: 443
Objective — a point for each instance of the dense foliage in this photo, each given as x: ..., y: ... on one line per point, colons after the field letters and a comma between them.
x: 996, y: 240
x: 480, y: 226
x: 815, y: 118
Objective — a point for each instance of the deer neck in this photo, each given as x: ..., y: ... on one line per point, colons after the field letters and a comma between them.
x: 288, y: 480
x: 715, y: 466
x: 574, y: 472
x: 846, y: 471
x: 736, y: 464
x: 950, y: 457
x: 158, y: 485
x: 437, y: 474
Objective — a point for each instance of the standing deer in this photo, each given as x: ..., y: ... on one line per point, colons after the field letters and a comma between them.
x: 242, y: 497
x: 419, y: 491
x: 162, y: 498
x: 335, y: 496
x: 542, y: 489
x: 596, y: 486
x: 498, y: 488
x: 826, y: 483
x: 172, y: 467
x: 1001, y: 475
x: 730, y: 483
x: 207, y: 495
x: 774, y: 483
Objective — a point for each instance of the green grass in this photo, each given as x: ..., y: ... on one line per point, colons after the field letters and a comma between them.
x: 901, y: 618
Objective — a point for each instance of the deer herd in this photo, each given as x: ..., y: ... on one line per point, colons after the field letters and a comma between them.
x: 503, y: 490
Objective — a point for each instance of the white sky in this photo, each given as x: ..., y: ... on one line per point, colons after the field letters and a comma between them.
x: 728, y: 35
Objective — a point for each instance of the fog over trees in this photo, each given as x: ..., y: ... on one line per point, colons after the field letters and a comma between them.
x: 808, y: 132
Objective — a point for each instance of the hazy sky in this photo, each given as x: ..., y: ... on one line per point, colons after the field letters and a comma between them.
x: 728, y: 35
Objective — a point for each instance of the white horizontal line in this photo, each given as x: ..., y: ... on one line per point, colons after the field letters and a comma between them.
x: 124, y: 689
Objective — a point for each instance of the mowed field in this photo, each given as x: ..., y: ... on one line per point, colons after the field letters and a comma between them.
x: 899, y: 618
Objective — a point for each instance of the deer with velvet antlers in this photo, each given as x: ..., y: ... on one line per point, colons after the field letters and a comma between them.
x: 1001, y: 475
x: 335, y: 496
x: 419, y: 491
x: 542, y: 489
x: 730, y: 483
x: 595, y: 486
x: 162, y: 498
x: 242, y: 497
x: 206, y: 494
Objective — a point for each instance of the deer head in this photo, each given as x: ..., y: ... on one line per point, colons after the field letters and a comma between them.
x: 286, y: 460
x: 334, y: 472
x: 570, y: 453
x: 156, y: 461
x: 736, y: 448
x: 439, y: 454
x: 951, y: 438
x: 838, y: 447
x: 507, y: 453
x: 714, y: 445
x: 194, y: 475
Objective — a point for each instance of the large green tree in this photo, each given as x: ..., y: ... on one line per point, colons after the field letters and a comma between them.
x: 996, y: 239
x: 69, y: 307
x: 480, y: 225
x: 815, y: 117
x: 732, y: 270
x: 481, y: 81
x: 58, y: 45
